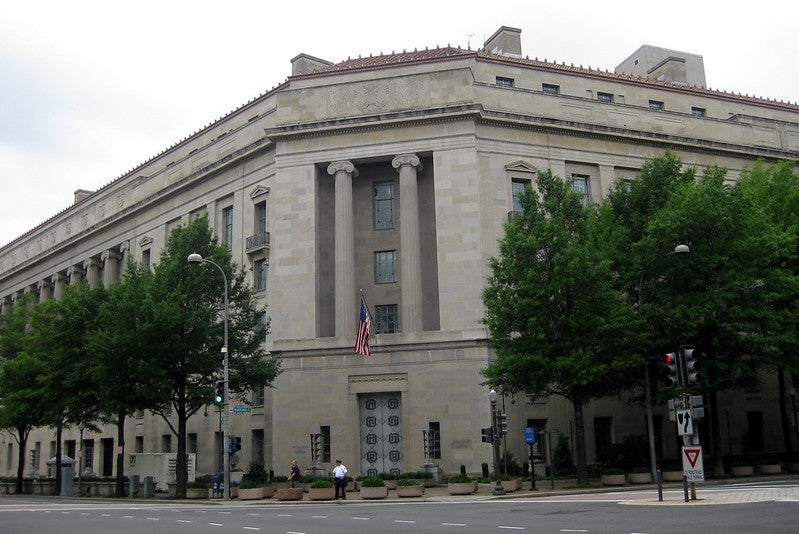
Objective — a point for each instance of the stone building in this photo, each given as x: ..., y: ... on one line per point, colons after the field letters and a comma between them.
x: 393, y: 174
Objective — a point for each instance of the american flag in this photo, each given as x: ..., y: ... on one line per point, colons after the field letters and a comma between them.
x: 364, y: 326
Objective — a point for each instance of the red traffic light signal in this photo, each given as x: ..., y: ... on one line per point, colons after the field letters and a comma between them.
x: 669, y: 362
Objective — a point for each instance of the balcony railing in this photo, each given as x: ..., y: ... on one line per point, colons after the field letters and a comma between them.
x: 259, y: 241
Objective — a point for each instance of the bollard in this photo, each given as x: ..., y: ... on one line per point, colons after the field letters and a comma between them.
x: 685, y: 487
x: 659, y: 475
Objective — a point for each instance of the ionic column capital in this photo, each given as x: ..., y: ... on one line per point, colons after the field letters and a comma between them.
x: 342, y: 166
x: 411, y: 160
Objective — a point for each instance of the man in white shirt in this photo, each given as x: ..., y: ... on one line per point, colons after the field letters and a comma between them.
x: 340, y: 479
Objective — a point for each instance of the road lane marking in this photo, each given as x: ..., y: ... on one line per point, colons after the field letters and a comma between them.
x: 404, y: 521
x: 510, y: 528
x: 453, y: 524
x: 361, y: 518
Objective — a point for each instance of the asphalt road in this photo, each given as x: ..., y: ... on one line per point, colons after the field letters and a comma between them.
x: 595, y: 513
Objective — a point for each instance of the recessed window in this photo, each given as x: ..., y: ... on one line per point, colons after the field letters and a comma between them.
x: 260, y: 217
x: 505, y: 82
x: 517, y: 188
x: 259, y: 274
x: 387, y: 319
x: 604, y: 97
x: 385, y: 266
x: 656, y: 105
x: 227, y: 227
x: 698, y: 112
x: 582, y: 184
x: 384, y: 205
x: 551, y: 89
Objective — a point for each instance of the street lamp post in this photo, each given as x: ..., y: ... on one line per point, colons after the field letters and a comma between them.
x: 81, y: 427
x: 492, y: 396
x: 225, y: 411
x: 650, y: 426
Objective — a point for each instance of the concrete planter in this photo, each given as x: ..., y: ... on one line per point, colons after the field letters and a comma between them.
x: 251, y: 494
x: 462, y: 488
x: 613, y: 480
x: 289, y: 494
x: 742, y: 470
x: 640, y: 478
x: 672, y: 476
x: 380, y: 492
x: 197, y: 493
x: 769, y: 469
x: 410, y: 491
x: 321, y: 494
x: 511, y: 485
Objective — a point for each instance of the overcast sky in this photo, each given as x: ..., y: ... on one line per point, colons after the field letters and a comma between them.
x: 90, y: 89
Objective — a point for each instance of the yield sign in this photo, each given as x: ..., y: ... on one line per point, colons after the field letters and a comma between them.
x: 692, y: 455
x: 692, y: 465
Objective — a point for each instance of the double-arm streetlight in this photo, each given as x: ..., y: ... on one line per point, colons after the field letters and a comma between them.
x: 650, y: 427
x: 196, y: 258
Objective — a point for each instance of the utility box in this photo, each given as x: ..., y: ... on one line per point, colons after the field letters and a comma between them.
x: 160, y: 466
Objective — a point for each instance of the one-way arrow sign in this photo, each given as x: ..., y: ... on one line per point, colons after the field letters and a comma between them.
x: 685, y: 423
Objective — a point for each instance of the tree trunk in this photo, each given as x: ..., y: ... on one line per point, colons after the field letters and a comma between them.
x: 120, y: 482
x: 579, y: 443
x: 715, y: 430
x: 23, y: 438
x: 181, y: 465
x: 784, y: 419
x: 58, y: 434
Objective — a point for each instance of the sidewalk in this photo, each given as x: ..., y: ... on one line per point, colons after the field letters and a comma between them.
x: 716, y: 491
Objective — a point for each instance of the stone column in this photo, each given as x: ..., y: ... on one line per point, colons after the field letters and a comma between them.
x: 59, y: 284
x: 124, y: 251
x: 44, y: 288
x: 92, y: 267
x: 345, y: 294
x: 110, y: 259
x: 410, y: 257
x: 6, y: 305
x: 75, y: 274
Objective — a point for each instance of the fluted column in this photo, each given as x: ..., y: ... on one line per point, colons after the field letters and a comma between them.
x: 59, y: 284
x: 92, y: 266
x: 75, y: 274
x: 124, y: 250
x: 410, y: 257
x: 345, y: 295
x: 110, y: 259
x: 44, y: 288
x: 5, y: 305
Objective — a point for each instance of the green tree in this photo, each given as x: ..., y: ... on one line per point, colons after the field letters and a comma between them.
x: 555, y: 321
x: 122, y: 366
x: 775, y: 190
x: 57, y: 338
x: 185, y: 335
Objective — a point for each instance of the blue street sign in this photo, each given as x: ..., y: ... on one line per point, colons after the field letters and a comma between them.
x: 529, y: 435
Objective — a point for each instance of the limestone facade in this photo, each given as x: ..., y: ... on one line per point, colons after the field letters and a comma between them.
x: 409, y: 158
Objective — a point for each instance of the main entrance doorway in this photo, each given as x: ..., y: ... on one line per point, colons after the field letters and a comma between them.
x: 381, y: 433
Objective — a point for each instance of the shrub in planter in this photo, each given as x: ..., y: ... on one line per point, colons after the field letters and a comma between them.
x: 613, y: 477
x: 459, y: 478
x: 408, y: 487
x: 373, y: 488
x: 640, y: 475
x: 322, y: 489
x: 407, y: 482
x: 461, y: 484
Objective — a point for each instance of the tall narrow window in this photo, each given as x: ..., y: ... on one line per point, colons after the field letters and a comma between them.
x: 384, y: 205
x: 385, y: 266
x: 517, y: 188
x: 434, y: 440
x: 387, y: 319
x: 259, y: 274
x: 145, y: 258
x: 260, y: 218
x: 582, y: 184
x: 259, y: 395
x: 325, y: 431
x: 227, y: 227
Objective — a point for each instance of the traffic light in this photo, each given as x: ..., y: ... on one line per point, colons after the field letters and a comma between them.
x: 690, y: 364
x: 502, y: 423
x: 219, y: 392
x: 669, y: 362
x: 487, y: 435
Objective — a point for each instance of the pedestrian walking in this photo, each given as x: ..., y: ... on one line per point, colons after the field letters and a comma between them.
x: 295, y: 475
